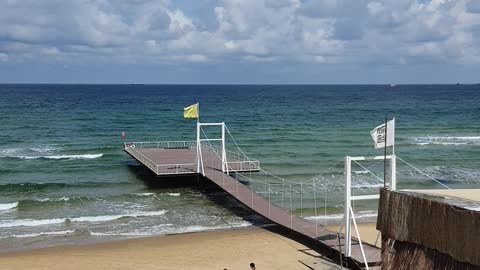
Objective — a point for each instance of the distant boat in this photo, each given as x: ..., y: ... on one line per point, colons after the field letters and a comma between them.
x: 393, y: 85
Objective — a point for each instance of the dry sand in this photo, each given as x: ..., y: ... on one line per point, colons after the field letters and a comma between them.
x: 368, y: 232
x: 233, y: 249
x: 466, y: 194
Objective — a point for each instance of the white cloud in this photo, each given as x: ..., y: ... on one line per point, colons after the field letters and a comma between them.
x: 314, y: 31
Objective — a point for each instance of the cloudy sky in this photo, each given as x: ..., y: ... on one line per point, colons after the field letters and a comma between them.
x: 240, y: 41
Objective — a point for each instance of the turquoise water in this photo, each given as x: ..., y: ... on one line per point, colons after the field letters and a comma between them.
x: 64, y: 177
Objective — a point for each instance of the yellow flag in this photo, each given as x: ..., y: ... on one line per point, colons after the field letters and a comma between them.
x: 191, y: 111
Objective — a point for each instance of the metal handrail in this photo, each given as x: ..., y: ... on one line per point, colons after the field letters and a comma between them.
x: 241, y: 161
x: 163, y: 144
x: 179, y: 168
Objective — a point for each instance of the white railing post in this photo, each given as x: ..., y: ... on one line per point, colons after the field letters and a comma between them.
x: 393, y: 172
x: 301, y: 199
x: 325, y: 205
x: 291, y: 208
x: 224, y: 153
x: 269, y: 200
x: 198, y: 147
x: 347, y: 217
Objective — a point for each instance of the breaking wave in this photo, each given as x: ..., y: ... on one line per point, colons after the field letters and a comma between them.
x: 41, y: 222
x: 66, y: 232
x: 446, y: 140
x: 8, y: 206
x: 70, y: 157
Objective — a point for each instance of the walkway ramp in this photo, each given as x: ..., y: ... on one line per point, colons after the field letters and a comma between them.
x: 179, y: 158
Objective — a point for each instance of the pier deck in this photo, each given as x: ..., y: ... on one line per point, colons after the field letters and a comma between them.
x: 179, y: 157
x: 182, y: 160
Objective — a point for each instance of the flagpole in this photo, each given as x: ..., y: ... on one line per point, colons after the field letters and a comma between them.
x: 393, y: 133
x: 385, y: 155
x: 198, y: 137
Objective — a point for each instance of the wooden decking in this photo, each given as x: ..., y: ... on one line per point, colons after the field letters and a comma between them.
x: 175, y: 161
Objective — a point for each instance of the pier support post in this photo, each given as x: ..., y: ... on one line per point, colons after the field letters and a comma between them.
x: 198, y: 147
x: 347, y: 217
x: 224, y: 153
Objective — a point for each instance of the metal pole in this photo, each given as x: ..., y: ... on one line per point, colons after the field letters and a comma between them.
x: 198, y: 147
x: 393, y: 173
x: 301, y: 199
x: 325, y: 205
x: 269, y: 201
x: 348, y: 180
x: 385, y: 155
x: 265, y: 185
x: 393, y: 162
x: 283, y: 188
x: 224, y: 154
x: 315, y: 205
x: 291, y: 208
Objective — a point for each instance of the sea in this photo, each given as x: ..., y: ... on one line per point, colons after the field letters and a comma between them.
x: 65, y: 179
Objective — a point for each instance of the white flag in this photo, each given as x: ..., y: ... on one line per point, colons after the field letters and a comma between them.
x: 378, y: 134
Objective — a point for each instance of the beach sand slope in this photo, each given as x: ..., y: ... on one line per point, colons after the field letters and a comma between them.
x: 232, y: 249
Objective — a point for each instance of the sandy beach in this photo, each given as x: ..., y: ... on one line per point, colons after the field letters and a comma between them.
x: 368, y: 232
x: 231, y: 249
x: 464, y: 194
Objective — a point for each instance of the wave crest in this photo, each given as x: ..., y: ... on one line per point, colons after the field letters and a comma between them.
x: 8, y: 206
x: 41, y: 222
x: 70, y: 157
x: 446, y: 140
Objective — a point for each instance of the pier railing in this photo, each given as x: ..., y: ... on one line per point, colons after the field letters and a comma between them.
x: 237, y: 162
x: 164, y: 169
x: 162, y: 144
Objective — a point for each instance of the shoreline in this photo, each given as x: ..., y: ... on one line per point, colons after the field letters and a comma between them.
x: 219, y: 249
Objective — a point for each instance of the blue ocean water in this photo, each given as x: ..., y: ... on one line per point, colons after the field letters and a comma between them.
x: 64, y: 177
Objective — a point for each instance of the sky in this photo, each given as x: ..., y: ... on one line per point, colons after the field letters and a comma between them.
x: 240, y: 41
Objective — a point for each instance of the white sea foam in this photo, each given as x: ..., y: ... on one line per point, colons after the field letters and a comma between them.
x: 144, y: 194
x: 168, y: 229
x: 45, y: 149
x: 41, y: 222
x: 8, y: 206
x: 62, y: 199
x: 360, y: 172
x: 358, y: 215
x: 367, y: 185
x: 38, y: 234
x: 41, y: 149
x: 85, y: 156
x: 174, y: 194
x: 446, y: 140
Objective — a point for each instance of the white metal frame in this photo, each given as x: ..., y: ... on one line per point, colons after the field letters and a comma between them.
x: 200, y: 168
x: 348, y: 215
